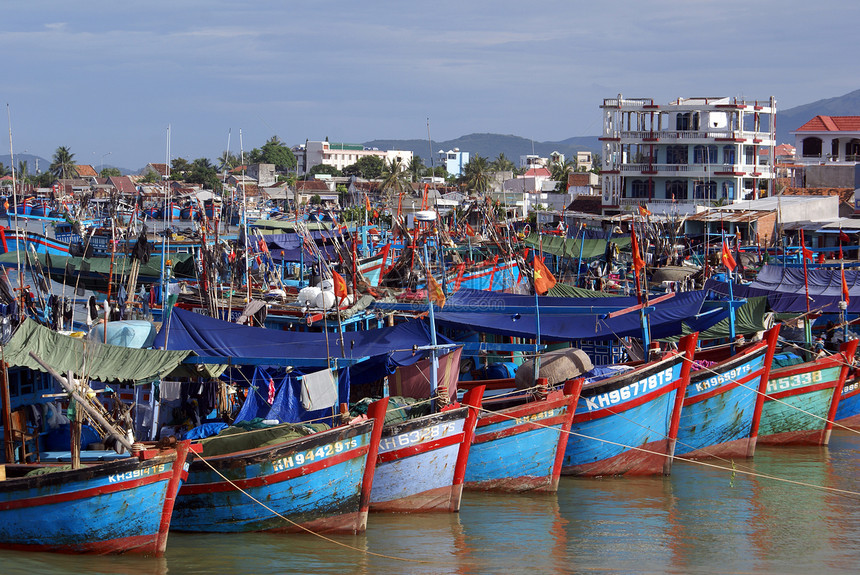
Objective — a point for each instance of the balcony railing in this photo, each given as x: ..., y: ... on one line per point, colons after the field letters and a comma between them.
x: 673, y: 135
x: 691, y: 168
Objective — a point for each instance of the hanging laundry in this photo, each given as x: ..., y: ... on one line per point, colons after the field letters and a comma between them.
x: 319, y: 390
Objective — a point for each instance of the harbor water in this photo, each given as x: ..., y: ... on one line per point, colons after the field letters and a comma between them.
x: 698, y: 520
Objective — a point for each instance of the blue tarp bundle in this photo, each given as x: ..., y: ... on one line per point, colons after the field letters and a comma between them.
x: 785, y: 291
x: 287, y: 405
x: 386, y: 348
x: 289, y: 247
x: 493, y: 318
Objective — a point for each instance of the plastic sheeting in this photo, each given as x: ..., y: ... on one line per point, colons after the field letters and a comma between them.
x: 569, y: 247
x: 666, y: 320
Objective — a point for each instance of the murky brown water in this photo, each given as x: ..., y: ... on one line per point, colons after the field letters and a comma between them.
x: 699, y: 520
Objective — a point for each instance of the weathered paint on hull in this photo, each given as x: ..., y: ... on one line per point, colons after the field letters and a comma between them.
x: 848, y: 412
x: 720, y: 408
x: 512, y: 454
x: 416, y: 464
x: 626, y: 425
x: 123, y: 506
x: 316, y: 482
x: 806, y: 396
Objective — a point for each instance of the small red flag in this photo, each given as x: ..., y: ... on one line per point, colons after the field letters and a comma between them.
x: 437, y: 296
x: 638, y: 263
x: 843, y: 237
x: 643, y: 211
x: 728, y: 259
x: 544, y: 280
x: 845, y: 295
x: 470, y: 231
x: 339, y: 285
x: 366, y: 203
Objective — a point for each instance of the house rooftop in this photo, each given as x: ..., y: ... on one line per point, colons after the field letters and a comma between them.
x: 831, y: 124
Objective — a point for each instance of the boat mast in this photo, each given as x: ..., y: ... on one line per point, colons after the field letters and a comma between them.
x: 18, y: 232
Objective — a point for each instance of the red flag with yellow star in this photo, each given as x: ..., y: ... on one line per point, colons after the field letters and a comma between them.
x: 544, y: 280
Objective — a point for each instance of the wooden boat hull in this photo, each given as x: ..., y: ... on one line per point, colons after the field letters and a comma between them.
x: 320, y: 482
x: 848, y: 412
x: 627, y: 425
x: 13, y: 240
x: 123, y: 506
x: 520, y: 448
x: 417, y: 466
x: 722, y: 406
x: 802, y: 400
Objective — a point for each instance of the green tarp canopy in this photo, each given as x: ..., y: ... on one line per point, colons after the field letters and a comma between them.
x: 564, y: 290
x: 283, y: 226
x: 569, y: 247
x: 183, y: 264
x: 96, y: 360
x: 749, y: 319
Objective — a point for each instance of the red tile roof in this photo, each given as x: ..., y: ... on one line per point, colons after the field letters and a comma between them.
x: 160, y: 169
x: 538, y: 172
x: 123, y: 184
x: 832, y: 124
x: 846, y: 195
x: 85, y: 170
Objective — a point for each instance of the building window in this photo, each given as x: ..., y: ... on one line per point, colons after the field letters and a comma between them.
x: 811, y: 147
x: 705, y: 190
x: 676, y: 189
x: 676, y: 154
x: 728, y: 154
x: 728, y: 191
x: 639, y: 189
x: 705, y: 155
x: 749, y: 155
x: 687, y: 121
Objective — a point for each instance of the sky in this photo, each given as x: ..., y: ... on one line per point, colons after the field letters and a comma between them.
x: 107, y: 78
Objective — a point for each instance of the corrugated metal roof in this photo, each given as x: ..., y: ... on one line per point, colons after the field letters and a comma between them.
x: 729, y: 216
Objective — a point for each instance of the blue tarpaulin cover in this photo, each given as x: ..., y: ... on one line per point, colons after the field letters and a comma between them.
x: 785, y: 291
x: 493, y: 318
x: 387, y: 348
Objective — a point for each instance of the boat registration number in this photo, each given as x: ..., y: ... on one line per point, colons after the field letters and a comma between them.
x: 796, y: 380
x: 416, y: 436
x: 542, y: 415
x: 631, y: 390
x: 310, y: 455
x: 137, y: 473
x: 730, y: 376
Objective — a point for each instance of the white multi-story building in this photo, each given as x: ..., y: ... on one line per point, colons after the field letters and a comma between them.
x: 829, y: 139
x: 342, y: 155
x: 692, y: 150
x: 454, y: 161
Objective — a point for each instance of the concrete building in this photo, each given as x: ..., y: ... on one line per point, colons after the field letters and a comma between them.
x: 264, y: 174
x: 340, y: 155
x: 693, y: 150
x: 829, y: 140
x: 454, y: 161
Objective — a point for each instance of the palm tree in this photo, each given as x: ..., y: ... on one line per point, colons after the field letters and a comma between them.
x: 22, y: 174
x: 560, y: 172
x: 502, y: 164
x: 394, y: 177
x: 476, y: 177
x: 64, y: 165
x: 4, y: 171
x: 416, y: 168
x: 227, y: 161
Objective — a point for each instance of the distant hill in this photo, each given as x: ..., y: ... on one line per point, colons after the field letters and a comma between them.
x: 490, y: 146
x: 31, y: 160
x: 39, y: 163
x: 791, y: 119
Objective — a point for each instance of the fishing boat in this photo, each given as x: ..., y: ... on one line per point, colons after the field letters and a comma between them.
x: 121, y: 506
x: 520, y: 447
x: 848, y: 412
x: 12, y: 239
x: 723, y: 402
x: 321, y: 482
x: 421, y: 463
x: 627, y: 424
x: 802, y: 399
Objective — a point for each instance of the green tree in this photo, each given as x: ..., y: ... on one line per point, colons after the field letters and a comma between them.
x: 502, y: 164
x: 23, y: 174
x: 416, y: 168
x: 274, y: 151
x: 322, y: 169
x: 560, y: 172
x: 394, y: 177
x: 114, y: 172
x: 150, y: 177
x: 63, y: 165
x: 178, y: 168
x: 227, y: 161
x: 4, y: 171
x: 596, y: 162
x: 368, y: 167
x: 204, y: 173
x: 476, y: 174
x: 315, y: 200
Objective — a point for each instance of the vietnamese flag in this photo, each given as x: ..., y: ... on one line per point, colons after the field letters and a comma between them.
x: 366, y: 203
x: 638, y: 263
x: 543, y: 278
x: 339, y: 286
x: 434, y: 291
x: 845, y: 288
x: 728, y: 259
x: 470, y: 231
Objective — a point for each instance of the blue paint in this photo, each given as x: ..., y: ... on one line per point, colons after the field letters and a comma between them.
x: 724, y: 417
x: 86, y: 520
x: 849, y: 405
x: 325, y: 493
